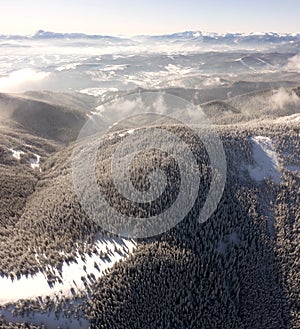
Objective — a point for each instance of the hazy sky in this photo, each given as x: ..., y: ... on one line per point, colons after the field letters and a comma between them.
x: 149, y: 16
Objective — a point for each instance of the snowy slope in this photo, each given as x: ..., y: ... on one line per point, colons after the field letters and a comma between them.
x: 266, y: 162
x: 35, y: 286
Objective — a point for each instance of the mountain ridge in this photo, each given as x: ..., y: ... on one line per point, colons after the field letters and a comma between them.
x: 270, y: 36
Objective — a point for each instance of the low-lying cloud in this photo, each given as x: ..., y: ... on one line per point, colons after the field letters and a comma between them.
x: 283, y: 98
x: 213, y: 82
x: 294, y: 63
x: 23, y: 80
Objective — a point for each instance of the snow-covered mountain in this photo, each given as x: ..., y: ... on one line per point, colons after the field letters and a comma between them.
x: 231, y: 38
x: 208, y: 37
x: 41, y: 34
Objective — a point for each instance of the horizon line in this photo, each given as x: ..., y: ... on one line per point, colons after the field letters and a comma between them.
x: 152, y: 34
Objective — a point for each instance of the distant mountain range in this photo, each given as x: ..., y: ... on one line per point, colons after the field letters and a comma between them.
x: 41, y: 34
x: 198, y: 36
x: 231, y: 38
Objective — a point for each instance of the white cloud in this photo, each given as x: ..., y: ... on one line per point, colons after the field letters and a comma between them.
x: 294, y: 63
x: 212, y: 82
x: 283, y: 98
x: 22, y: 80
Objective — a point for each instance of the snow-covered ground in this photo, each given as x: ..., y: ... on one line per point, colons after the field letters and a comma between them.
x: 48, y: 319
x: 246, y: 65
x: 37, y: 285
x: 35, y: 162
x: 71, y: 275
x: 127, y: 132
x: 16, y: 153
x: 266, y: 161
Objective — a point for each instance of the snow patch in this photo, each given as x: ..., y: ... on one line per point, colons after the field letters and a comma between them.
x: 17, y: 153
x: 113, y: 68
x: 35, y: 162
x: 213, y: 81
x: 128, y: 132
x: 266, y: 162
x: 177, y: 69
x: 67, y: 67
x: 243, y: 63
x: 197, y: 34
x: 31, y: 287
x: 96, y: 92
